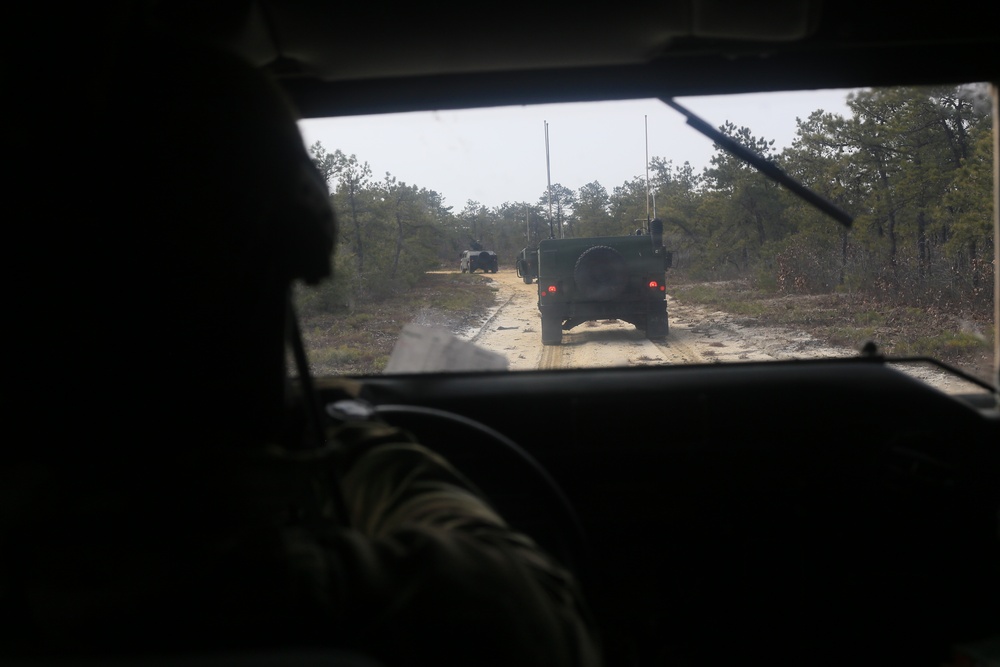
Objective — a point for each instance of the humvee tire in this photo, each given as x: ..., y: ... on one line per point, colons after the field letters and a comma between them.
x: 551, y: 330
x: 657, y: 326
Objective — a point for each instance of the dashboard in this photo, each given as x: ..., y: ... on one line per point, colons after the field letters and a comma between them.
x: 834, y: 510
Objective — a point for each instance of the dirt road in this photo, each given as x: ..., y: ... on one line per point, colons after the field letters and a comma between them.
x: 697, y: 335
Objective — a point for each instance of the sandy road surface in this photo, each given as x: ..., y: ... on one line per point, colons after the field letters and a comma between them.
x: 697, y: 335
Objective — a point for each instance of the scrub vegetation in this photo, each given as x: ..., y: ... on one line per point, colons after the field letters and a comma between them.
x: 914, y: 272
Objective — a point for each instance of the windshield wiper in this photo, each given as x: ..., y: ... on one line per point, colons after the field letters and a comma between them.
x: 762, y: 165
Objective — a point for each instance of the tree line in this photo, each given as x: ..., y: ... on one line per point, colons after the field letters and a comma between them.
x: 912, y: 165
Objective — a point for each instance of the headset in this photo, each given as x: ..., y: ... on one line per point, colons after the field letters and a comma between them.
x: 232, y: 206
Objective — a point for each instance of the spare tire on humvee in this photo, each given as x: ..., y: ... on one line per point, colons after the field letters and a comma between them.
x: 479, y: 259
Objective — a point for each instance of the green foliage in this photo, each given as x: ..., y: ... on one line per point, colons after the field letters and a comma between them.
x: 559, y: 203
x: 592, y: 210
x: 803, y: 263
x: 330, y: 295
x: 749, y: 209
x: 914, y: 165
x: 628, y: 207
x: 767, y: 281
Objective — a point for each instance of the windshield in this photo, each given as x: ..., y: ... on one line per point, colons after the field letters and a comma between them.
x: 615, y: 234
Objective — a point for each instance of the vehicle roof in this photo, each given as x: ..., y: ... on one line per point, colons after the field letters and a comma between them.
x: 337, y: 58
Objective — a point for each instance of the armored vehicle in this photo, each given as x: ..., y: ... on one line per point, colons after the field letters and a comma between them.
x: 527, y: 265
x: 606, y: 277
x: 479, y: 259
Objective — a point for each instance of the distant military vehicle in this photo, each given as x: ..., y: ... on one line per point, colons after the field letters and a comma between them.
x: 606, y: 277
x: 479, y: 259
x: 527, y: 265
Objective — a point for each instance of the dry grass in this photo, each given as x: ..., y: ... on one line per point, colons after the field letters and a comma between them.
x: 845, y: 320
x: 359, y: 342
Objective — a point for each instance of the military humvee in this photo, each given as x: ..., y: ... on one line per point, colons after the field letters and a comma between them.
x: 605, y: 277
x: 527, y: 265
x: 479, y: 259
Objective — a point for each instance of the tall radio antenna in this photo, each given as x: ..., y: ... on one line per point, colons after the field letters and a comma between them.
x: 548, y: 176
x: 645, y: 120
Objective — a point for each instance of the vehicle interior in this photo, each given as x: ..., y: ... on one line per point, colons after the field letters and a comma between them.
x: 826, y: 512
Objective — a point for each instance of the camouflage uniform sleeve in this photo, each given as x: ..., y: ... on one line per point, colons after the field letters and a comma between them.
x: 437, y: 573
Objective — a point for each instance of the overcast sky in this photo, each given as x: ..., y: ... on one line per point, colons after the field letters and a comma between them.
x: 493, y: 156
